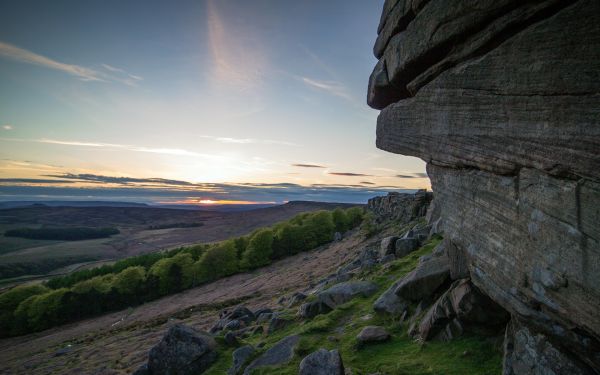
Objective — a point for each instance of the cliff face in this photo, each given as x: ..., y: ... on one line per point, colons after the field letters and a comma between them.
x: 502, y: 100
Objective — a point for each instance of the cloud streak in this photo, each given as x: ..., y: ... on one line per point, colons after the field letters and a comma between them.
x: 331, y: 87
x: 299, y: 165
x: 248, y: 140
x: 133, y: 148
x: 350, y: 174
x: 83, y: 73
x: 412, y: 175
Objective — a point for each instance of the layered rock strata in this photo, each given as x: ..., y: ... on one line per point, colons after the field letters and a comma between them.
x: 502, y: 100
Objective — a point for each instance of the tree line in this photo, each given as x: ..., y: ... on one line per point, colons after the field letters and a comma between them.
x: 136, y: 280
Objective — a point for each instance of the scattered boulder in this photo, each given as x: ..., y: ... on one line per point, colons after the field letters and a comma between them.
x: 277, y: 323
x: 372, y: 334
x: 240, y: 357
x: 239, y: 315
x: 388, y: 258
x: 405, y: 246
x: 230, y: 339
x: 337, y: 236
x: 322, y: 362
x: 424, y: 280
x: 233, y: 325
x: 263, y: 318
x: 344, y: 292
x: 311, y: 309
x: 264, y: 310
x: 388, y: 246
x: 389, y: 302
x: 296, y: 298
x: 182, y: 351
x: 282, y: 352
x: 462, y: 307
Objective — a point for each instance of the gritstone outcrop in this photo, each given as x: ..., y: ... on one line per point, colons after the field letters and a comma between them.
x: 502, y: 100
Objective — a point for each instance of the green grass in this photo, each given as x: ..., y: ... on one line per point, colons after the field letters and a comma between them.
x: 400, y: 355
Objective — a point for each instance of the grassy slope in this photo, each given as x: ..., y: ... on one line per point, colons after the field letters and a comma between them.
x: 400, y: 355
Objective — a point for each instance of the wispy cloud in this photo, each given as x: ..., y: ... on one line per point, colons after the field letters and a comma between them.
x: 308, y: 166
x: 367, y: 183
x: 412, y: 175
x: 238, y: 56
x: 331, y: 87
x: 83, y: 73
x: 350, y: 174
x: 248, y: 140
x: 134, y: 148
x: 118, y: 180
x: 7, y: 127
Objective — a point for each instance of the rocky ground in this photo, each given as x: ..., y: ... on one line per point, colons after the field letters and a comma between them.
x: 119, y: 342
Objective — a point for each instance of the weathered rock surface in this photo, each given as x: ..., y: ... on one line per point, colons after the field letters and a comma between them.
x: 424, y: 280
x: 344, y: 292
x: 311, y: 309
x: 322, y: 362
x: 405, y: 246
x: 389, y: 302
x: 388, y: 246
x: 529, y: 353
x: 372, y: 334
x: 280, y: 353
x: 462, y: 308
x: 181, y: 351
x: 399, y: 206
x: 507, y: 116
x: 240, y: 356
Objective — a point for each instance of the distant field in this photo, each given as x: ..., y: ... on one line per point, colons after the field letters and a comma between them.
x: 21, y: 257
x: 62, y: 234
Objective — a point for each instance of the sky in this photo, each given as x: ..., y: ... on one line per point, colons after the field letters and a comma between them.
x: 202, y: 101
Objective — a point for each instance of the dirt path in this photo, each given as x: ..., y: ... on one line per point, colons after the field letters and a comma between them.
x: 117, y: 343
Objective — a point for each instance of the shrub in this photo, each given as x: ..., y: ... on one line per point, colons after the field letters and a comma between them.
x: 340, y: 220
x: 320, y: 227
x: 130, y: 281
x: 10, y: 300
x: 288, y: 240
x: 218, y: 261
x: 259, y: 250
x: 355, y: 216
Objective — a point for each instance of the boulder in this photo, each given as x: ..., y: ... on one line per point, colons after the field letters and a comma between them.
x: 462, y: 308
x: 424, y: 280
x: 182, y: 351
x: 311, y: 309
x: 322, y: 362
x: 405, y: 246
x: 344, y: 292
x: 277, y: 323
x: 372, y: 334
x: 282, y: 352
x: 240, y: 357
x: 390, y: 303
x: 230, y: 339
x: 296, y: 298
x: 388, y: 246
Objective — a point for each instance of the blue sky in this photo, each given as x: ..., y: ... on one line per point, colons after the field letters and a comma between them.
x: 223, y: 92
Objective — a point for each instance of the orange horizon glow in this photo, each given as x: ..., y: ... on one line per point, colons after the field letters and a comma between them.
x: 210, y: 202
